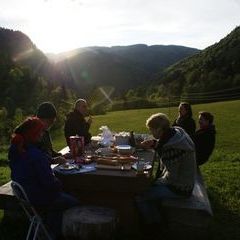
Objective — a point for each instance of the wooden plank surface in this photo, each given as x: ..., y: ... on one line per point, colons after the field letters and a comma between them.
x: 198, y: 201
x: 7, y: 199
x: 6, y: 189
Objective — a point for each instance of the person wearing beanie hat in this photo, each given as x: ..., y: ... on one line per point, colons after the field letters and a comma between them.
x: 46, y: 110
x: 47, y: 113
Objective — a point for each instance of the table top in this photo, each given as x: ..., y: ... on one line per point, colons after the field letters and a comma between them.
x: 146, y: 156
x: 108, y: 179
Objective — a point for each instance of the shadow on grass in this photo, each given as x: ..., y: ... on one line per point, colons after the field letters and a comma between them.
x: 225, y: 223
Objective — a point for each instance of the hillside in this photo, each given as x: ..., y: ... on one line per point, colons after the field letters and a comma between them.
x: 152, y: 71
x: 17, y: 48
x: 26, y: 77
x: 121, y: 67
x: 85, y: 69
x: 215, y: 68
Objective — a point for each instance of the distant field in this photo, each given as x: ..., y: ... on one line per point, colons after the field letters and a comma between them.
x: 221, y: 173
x: 227, y: 119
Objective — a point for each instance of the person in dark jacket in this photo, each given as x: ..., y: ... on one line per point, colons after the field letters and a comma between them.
x: 185, y: 119
x: 76, y: 124
x: 204, y: 137
x: 47, y: 113
x: 30, y: 167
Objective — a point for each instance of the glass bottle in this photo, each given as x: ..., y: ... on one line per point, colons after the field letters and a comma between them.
x: 132, y: 141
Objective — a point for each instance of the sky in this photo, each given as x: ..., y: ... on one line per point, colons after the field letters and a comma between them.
x: 60, y: 25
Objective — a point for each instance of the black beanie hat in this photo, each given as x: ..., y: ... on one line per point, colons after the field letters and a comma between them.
x: 46, y: 110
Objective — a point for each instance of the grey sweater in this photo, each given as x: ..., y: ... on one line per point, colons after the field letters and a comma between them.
x: 179, y: 163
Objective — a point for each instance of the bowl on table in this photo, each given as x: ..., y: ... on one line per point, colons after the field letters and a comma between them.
x: 125, y: 149
x: 95, y: 141
x: 104, y: 151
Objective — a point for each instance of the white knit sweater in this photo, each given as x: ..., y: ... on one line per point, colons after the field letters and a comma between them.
x: 179, y: 163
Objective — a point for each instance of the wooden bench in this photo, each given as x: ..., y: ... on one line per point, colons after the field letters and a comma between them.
x: 9, y: 203
x: 7, y: 199
x: 189, y: 216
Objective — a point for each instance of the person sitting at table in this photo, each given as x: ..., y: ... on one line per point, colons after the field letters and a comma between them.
x: 76, y: 124
x: 204, y: 137
x: 185, y: 119
x: 30, y: 167
x: 177, y: 154
x: 47, y: 113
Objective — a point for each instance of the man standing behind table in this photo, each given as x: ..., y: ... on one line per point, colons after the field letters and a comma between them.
x: 76, y: 124
x: 47, y: 113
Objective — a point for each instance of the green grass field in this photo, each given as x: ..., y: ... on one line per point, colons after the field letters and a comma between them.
x: 221, y: 173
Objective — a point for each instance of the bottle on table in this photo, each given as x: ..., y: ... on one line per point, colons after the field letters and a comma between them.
x: 132, y: 141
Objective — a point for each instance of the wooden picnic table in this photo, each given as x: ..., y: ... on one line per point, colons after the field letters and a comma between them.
x: 110, y: 188
x: 117, y: 189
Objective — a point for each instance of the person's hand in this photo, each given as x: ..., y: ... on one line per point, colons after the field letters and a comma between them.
x: 147, y: 144
x: 89, y: 121
x: 67, y: 155
x: 59, y: 160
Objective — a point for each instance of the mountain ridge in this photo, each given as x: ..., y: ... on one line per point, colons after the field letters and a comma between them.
x: 214, y: 68
x: 120, y: 66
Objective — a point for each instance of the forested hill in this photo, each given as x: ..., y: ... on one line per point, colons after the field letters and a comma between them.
x: 121, y: 67
x: 26, y: 76
x: 17, y: 48
x: 215, y: 68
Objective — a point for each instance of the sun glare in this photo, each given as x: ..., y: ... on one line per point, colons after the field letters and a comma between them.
x: 63, y: 25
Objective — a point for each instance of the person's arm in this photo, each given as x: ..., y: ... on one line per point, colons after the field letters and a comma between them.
x: 43, y: 171
x: 189, y: 126
x: 175, y: 123
x: 201, y: 141
x: 70, y: 128
x: 58, y: 160
x: 147, y: 144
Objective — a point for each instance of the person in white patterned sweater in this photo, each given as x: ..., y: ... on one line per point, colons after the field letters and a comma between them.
x: 176, y: 153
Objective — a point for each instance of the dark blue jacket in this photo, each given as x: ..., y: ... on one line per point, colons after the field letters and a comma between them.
x: 33, y: 171
x: 204, y: 140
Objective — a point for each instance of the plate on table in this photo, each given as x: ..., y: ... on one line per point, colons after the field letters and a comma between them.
x: 146, y: 167
x: 96, y: 138
x: 125, y: 149
x: 67, y: 167
x: 105, y: 151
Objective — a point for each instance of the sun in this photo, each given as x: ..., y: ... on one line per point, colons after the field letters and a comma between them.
x: 62, y: 25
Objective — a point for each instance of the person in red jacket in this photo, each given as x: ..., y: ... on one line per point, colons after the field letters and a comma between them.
x: 47, y: 113
x: 204, y: 137
x: 30, y: 167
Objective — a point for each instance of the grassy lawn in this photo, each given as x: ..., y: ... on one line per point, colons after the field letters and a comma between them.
x: 221, y: 173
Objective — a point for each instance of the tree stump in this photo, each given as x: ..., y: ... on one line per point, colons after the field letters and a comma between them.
x: 89, y: 223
